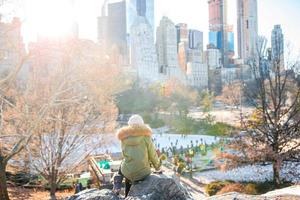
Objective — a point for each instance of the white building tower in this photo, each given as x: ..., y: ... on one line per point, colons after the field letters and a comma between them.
x: 143, y: 52
x: 166, y: 46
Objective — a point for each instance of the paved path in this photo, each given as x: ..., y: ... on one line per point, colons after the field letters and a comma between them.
x: 195, y: 188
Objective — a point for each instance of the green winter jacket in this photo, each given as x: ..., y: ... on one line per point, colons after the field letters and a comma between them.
x: 138, y: 152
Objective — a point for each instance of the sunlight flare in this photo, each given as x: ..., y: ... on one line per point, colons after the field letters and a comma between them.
x: 51, y: 18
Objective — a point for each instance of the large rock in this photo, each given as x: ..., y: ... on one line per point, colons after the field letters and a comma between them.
x: 238, y: 196
x: 235, y: 196
x: 158, y: 187
x: 154, y: 187
x: 95, y: 194
x: 289, y: 193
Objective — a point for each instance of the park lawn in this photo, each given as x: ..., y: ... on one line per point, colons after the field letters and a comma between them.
x: 251, y: 188
x: 189, y: 126
x: 20, y: 193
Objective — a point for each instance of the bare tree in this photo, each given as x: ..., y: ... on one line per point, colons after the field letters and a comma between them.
x: 16, y: 120
x: 272, y: 133
x: 83, y: 109
x: 231, y: 94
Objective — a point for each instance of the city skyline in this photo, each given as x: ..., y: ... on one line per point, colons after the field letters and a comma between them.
x: 193, y: 12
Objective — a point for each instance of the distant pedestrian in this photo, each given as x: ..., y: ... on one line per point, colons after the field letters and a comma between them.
x: 89, y: 183
x: 78, y: 187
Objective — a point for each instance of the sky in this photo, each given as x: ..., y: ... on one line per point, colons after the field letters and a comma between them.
x: 49, y: 15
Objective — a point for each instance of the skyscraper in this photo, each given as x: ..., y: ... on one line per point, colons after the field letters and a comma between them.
x: 136, y: 8
x: 230, y: 38
x: 166, y: 45
x: 117, y: 20
x: 217, y: 14
x: 182, y: 32
x: 277, y: 44
x: 195, y: 39
x: 218, y: 27
x: 247, y: 29
x: 141, y: 7
x: 112, y: 26
x: 230, y: 43
x: 196, y: 70
x: 143, y: 51
x: 118, y: 17
x: 182, y: 44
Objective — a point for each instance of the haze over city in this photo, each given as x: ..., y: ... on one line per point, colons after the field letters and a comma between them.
x: 57, y: 14
x: 179, y: 99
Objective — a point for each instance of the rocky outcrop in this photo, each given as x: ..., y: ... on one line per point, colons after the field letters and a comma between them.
x: 238, y: 196
x: 234, y: 196
x: 158, y: 187
x: 154, y: 187
x: 289, y: 193
x: 95, y: 194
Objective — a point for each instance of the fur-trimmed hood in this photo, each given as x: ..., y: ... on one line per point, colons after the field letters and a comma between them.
x: 136, y: 130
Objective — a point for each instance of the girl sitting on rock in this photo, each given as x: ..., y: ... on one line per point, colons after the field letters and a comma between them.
x: 138, y: 154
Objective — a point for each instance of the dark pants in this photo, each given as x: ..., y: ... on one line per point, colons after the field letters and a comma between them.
x: 127, y: 183
x: 118, y: 178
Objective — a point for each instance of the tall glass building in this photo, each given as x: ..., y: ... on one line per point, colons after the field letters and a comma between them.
x: 116, y: 25
x: 230, y: 39
x: 136, y: 8
x: 277, y: 42
x: 215, y: 38
x: 196, y: 39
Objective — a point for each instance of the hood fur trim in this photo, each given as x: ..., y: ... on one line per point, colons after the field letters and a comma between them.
x: 136, y: 130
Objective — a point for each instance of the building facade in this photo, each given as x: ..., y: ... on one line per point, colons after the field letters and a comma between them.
x: 229, y: 75
x: 217, y: 14
x: 277, y: 42
x: 217, y: 23
x: 143, y: 52
x: 220, y: 33
x: 112, y: 32
x: 247, y: 29
x: 230, y: 39
x: 197, y: 75
x: 12, y: 50
x: 195, y: 39
x: 213, y: 58
x: 144, y: 8
x: 183, y: 55
x: 197, y: 69
x: 166, y: 46
x: 182, y: 32
x: 116, y: 24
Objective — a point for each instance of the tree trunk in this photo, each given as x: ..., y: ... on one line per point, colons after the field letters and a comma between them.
x: 276, y: 173
x: 3, y: 186
x: 53, y: 185
x: 53, y: 188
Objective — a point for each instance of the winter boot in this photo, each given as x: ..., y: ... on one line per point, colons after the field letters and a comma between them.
x: 117, y: 181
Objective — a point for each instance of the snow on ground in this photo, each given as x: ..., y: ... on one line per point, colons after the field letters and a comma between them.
x: 165, y: 140
x: 255, y: 173
x: 229, y: 116
x: 293, y: 190
x: 161, y: 139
